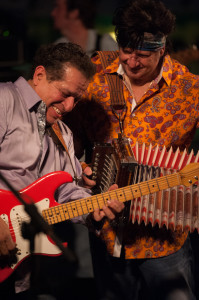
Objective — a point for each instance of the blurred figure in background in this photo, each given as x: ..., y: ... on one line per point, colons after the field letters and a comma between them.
x: 75, y: 19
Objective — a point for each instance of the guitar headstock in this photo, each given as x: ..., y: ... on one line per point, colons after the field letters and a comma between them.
x: 189, y: 174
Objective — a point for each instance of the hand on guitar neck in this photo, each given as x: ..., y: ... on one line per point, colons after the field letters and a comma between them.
x: 110, y: 210
x: 114, y: 206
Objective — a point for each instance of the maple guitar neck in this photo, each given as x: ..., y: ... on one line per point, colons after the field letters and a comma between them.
x: 83, y: 206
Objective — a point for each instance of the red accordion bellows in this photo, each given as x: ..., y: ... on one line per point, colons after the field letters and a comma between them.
x: 176, y: 208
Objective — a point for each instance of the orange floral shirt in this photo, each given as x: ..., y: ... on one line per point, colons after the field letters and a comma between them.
x: 167, y: 115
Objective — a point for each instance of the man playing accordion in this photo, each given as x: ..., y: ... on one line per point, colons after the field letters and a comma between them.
x: 153, y: 99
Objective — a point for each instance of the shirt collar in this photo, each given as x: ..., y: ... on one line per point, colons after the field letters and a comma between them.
x: 28, y: 94
x: 167, y: 69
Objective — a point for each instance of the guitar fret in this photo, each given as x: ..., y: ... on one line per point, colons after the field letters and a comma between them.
x: 158, y: 185
x: 85, y: 208
x: 124, y: 195
x: 121, y: 195
x: 145, y: 189
x: 92, y: 205
x: 140, y: 189
x: 79, y: 208
x: 57, y: 215
x: 135, y: 191
x: 163, y: 183
x: 65, y: 212
x: 45, y: 214
x: 51, y: 215
x: 96, y: 202
x: 153, y: 185
x: 107, y: 198
x: 72, y: 210
x: 148, y: 187
x: 89, y: 205
x: 166, y: 179
x: 116, y: 193
x: 103, y: 202
x: 132, y: 192
x: 76, y: 210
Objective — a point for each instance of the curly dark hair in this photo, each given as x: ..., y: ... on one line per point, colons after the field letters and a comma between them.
x: 55, y: 57
x: 135, y: 18
x: 87, y: 11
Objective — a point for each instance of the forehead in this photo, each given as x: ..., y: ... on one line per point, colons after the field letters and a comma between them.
x: 134, y: 51
x: 73, y: 81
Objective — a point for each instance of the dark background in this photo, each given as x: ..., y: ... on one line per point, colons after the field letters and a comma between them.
x: 25, y: 24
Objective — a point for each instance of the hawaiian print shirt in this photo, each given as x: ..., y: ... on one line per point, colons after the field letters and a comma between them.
x: 166, y: 115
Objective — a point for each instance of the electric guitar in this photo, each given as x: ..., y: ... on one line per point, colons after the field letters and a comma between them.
x: 42, y: 193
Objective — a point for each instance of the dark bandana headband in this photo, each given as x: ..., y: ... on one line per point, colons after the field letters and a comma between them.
x: 151, y: 42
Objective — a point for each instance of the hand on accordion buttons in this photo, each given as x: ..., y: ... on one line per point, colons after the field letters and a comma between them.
x: 110, y: 210
x: 86, y: 176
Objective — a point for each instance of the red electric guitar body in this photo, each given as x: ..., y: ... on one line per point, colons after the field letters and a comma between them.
x: 41, y: 192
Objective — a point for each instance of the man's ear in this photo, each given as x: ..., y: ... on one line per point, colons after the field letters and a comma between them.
x: 39, y: 74
x: 162, y: 51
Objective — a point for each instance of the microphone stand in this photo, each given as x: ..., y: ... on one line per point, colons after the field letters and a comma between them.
x: 37, y: 225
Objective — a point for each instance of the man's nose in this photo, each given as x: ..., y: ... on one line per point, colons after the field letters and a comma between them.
x: 69, y: 103
x: 132, y: 61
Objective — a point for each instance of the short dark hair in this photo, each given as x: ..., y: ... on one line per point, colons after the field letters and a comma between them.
x: 135, y: 18
x: 55, y: 57
x: 87, y: 11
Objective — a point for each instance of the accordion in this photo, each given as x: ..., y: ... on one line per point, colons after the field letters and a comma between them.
x: 177, y: 208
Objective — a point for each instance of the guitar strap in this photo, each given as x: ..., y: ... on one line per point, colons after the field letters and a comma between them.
x: 57, y: 137
x: 115, y: 83
x: 119, y: 109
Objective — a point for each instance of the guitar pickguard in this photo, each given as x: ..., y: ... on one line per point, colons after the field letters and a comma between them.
x: 42, y: 243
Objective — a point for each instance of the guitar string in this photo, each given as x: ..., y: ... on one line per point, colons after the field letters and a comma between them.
x: 127, y: 193
x: 110, y: 194
x: 137, y: 216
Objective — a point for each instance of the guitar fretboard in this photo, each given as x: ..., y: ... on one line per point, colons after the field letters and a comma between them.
x: 84, y: 206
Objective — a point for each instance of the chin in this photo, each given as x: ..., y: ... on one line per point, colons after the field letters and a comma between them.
x: 51, y: 121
